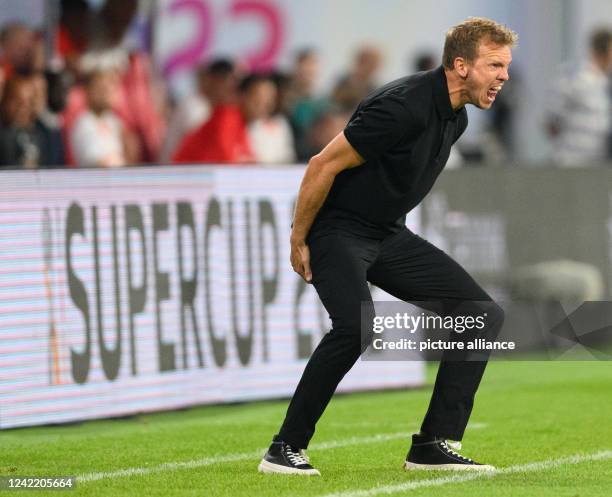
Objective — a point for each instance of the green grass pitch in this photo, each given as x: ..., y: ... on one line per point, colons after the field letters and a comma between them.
x: 526, y: 412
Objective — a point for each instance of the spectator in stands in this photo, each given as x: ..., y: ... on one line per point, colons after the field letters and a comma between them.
x: 139, y: 101
x: 304, y: 104
x: 361, y: 79
x: 98, y: 135
x: 225, y: 137
x: 2, y: 80
x: 17, y: 46
x: 270, y: 134
x: 25, y: 141
x: 109, y: 28
x: 283, y: 82
x: 73, y: 32
x: 579, y: 121
x: 217, y: 82
x: 324, y: 128
x: 425, y: 61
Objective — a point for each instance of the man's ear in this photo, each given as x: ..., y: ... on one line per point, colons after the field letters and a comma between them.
x: 460, y: 66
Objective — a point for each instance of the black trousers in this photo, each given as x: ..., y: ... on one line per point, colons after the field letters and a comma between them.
x: 409, y: 268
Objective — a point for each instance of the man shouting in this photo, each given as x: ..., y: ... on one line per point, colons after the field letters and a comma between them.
x: 349, y: 229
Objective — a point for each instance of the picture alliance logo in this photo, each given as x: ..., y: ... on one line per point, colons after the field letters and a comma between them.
x: 200, y: 279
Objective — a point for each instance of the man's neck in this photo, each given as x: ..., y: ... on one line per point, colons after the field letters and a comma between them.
x: 457, y: 90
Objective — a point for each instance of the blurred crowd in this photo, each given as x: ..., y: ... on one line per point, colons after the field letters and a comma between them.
x: 579, y: 120
x: 95, y: 102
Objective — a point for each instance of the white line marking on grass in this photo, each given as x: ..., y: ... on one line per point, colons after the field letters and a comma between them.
x: 208, y: 461
x: 459, y: 478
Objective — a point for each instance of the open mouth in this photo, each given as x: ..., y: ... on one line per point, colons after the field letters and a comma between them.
x: 492, y: 92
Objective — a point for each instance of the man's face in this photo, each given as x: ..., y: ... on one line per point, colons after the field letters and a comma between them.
x: 220, y: 89
x: 18, y: 48
x: 19, y: 105
x: 101, y: 91
x: 258, y: 101
x: 487, y: 73
x: 307, y: 71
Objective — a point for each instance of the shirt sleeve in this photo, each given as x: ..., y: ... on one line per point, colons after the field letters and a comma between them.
x: 377, y: 126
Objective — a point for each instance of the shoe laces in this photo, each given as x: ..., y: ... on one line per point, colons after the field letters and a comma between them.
x: 454, y: 445
x: 449, y: 446
x: 304, y: 455
x: 296, y: 457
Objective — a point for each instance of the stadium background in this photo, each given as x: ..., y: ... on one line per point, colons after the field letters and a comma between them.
x: 158, y: 287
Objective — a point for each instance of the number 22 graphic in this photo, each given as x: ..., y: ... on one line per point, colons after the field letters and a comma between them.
x: 262, y: 11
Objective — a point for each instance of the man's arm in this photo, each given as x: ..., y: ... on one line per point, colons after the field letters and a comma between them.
x: 337, y: 156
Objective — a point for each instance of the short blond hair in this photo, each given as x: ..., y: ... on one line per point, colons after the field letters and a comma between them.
x: 463, y: 39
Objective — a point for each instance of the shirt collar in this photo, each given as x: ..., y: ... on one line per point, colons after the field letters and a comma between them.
x: 440, y: 94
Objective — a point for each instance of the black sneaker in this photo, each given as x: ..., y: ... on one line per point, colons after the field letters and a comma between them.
x: 283, y: 458
x: 436, y: 453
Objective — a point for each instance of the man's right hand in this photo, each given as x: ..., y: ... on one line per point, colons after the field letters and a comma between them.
x: 337, y: 156
x: 300, y: 260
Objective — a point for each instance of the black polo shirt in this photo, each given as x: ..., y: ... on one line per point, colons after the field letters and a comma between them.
x: 404, y: 131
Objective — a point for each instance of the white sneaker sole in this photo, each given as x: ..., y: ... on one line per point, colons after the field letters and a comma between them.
x: 448, y: 467
x: 268, y: 467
